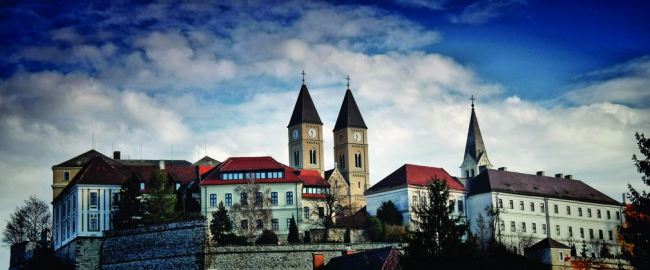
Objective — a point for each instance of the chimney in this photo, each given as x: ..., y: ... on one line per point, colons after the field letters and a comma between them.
x: 568, y: 177
x: 540, y: 173
x: 116, y: 155
x: 318, y: 260
x: 161, y: 164
x: 503, y: 169
x: 558, y: 175
x: 624, y: 198
x: 482, y: 168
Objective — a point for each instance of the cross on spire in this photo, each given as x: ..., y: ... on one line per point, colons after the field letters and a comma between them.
x: 303, y: 77
x: 472, y: 99
x: 348, y: 78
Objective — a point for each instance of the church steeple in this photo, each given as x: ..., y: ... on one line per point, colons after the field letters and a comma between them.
x: 305, y: 133
x: 349, y: 115
x: 475, y: 153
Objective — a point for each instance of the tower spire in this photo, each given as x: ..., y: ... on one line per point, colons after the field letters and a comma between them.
x: 475, y: 154
x: 472, y: 99
x: 348, y: 78
x: 303, y: 76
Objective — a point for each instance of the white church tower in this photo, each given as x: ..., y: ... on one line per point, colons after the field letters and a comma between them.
x: 475, y: 154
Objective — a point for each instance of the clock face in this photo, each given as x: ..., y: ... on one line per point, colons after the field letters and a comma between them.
x: 295, y: 134
x: 312, y: 133
x: 357, y: 136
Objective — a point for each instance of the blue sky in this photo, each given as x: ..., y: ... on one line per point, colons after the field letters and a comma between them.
x: 561, y: 86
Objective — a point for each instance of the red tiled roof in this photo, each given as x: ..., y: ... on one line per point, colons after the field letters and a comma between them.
x: 313, y: 196
x: 415, y: 175
x: 182, y: 174
x: 250, y: 164
x: 312, y: 178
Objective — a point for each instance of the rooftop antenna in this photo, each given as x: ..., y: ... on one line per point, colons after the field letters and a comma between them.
x: 303, y: 76
x: 348, y: 78
x: 205, y: 146
x: 472, y: 99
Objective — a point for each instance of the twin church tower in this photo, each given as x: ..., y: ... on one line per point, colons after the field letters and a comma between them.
x: 305, y: 131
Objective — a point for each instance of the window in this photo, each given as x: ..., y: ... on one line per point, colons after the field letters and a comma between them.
x: 288, y: 223
x: 259, y: 224
x: 321, y: 212
x: 521, y: 205
x: 359, y: 184
x: 275, y: 224
x: 66, y: 176
x: 557, y: 229
x: 141, y: 186
x: 600, y: 234
x: 415, y: 201
x: 598, y: 213
x: 341, y: 161
x: 588, y: 212
x: 501, y: 203
x: 178, y: 186
x: 93, y: 222
x: 591, y: 233
x: 568, y: 210
x: 228, y: 199
x: 452, y: 203
x: 312, y: 157
x: 561, y: 258
x: 611, y: 236
x: 213, y: 200
x: 512, y: 226
x: 461, y: 208
x: 609, y: 215
x: 512, y: 204
x: 532, y: 207
x: 296, y: 158
x: 473, y: 173
x: 570, y: 231
x: 543, y: 228
x: 274, y: 198
x: 555, y: 209
x: 534, y: 228
x: 579, y: 211
x: 258, y: 198
x: 523, y: 227
x: 582, y: 233
x: 243, y: 198
x: 305, y: 211
x: 357, y: 160
x: 243, y: 224
x: 289, y: 197
x: 541, y: 207
x: 618, y: 215
x: 466, y: 173
x: 93, y: 199
x: 502, y: 226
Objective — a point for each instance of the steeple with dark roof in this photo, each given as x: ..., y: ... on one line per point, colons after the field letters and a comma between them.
x: 349, y: 115
x: 304, y: 111
x: 474, y: 148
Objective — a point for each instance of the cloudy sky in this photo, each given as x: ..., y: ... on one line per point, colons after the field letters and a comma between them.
x: 560, y: 88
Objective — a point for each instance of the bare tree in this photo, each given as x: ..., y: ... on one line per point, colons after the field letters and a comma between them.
x: 252, y: 207
x: 28, y: 222
x: 482, y: 230
x: 335, y: 205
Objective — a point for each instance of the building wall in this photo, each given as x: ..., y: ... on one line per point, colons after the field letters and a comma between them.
x: 282, y: 211
x: 358, y: 178
x: 59, y: 182
x: 303, y: 144
x: 549, y: 219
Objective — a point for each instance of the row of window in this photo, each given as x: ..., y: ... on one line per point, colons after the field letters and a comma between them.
x: 259, y: 224
x: 315, y: 190
x: 459, y: 205
x: 556, y: 209
x: 251, y: 175
x: 357, y: 161
x: 558, y: 232
x: 259, y: 198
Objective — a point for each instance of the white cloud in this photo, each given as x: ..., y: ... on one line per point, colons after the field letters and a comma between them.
x: 483, y: 11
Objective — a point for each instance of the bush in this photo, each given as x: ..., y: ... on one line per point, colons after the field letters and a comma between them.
x: 395, y: 233
x: 375, y: 229
x: 307, y: 238
x: 267, y: 237
x: 293, y: 237
x: 389, y: 214
x: 233, y: 239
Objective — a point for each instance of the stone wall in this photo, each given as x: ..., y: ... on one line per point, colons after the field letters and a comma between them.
x: 278, y: 257
x: 83, y: 252
x: 178, y: 245
x: 338, y: 235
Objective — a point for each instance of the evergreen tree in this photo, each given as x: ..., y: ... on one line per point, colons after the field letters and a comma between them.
x: 636, y: 230
x: 293, y: 232
x: 267, y: 237
x: 220, y: 223
x: 438, y: 234
x: 129, y: 208
x: 160, y: 201
x: 574, y: 251
x: 389, y: 214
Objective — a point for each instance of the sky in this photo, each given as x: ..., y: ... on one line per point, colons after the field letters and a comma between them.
x: 561, y: 86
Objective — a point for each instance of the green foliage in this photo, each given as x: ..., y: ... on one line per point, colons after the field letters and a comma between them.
x: 636, y: 230
x: 220, y: 223
x: 293, y: 232
x: 160, y: 201
x: 389, y: 214
x: 375, y: 229
x: 395, y: 233
x: 307, y: 238
x: 233, y: 239
x: 267, y: 237
x: 129, y: 208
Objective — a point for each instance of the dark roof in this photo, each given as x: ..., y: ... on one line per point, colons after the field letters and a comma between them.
x: 304, y: 111
x: 374, y: 259
x: 328, y: 173
x: 547, y: 243
x: 349, y: 115
x: 154, y: 162
x: 416, y: 175
x: 207, y: 161
x: 83, y: 159
x: 537, y: 185
x: 474, y: 146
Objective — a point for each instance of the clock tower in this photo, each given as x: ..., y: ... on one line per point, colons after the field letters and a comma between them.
x: 351, y: 149
x: 305, y: 131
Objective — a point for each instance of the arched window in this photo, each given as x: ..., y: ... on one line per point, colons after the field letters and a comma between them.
x: 312, y: 157
x: 472, y: 172
x: 357, y: 160
x: 342, y: 161
x: 296, y: 156
x: 466, y: 173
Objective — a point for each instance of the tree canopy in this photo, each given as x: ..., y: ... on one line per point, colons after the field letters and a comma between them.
x: 27, y: 222
x: 129, y: 209
x: 389, y: 214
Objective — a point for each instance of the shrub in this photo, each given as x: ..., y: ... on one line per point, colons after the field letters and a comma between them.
x: 375, y: 229
x: 267, y: 237
x: 389, y: 214
x: 293, y: 232
x: 395, y: 233
x: 233, y: 239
